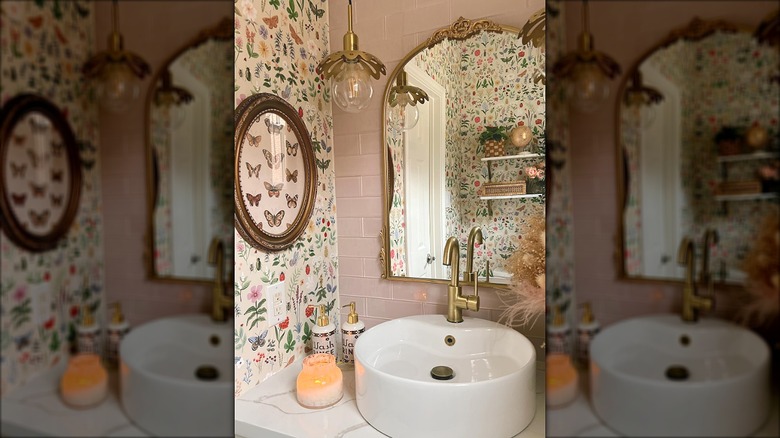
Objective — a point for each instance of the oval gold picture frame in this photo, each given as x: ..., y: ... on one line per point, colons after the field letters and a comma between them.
x: 40, y: 173
x: 275, y: 173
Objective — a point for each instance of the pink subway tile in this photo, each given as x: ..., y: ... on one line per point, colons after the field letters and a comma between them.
x: 349, y: 227
x: 364, y: 287
x: 378, y: 307
x: 346, y: 145
x: 434, y: 309
x: 428, y: 18
x: 371, y: 321
x: 347, y: 186
x: 348, y: 123
x: 350, y: 266
x: 359, y: 247
x: 360, y: 305
x: 371, y: 268
x: 371, y: 185
x: 372, y: 226
x: 422, y: 292
x: 394, y: 26
x: 360, y: 207
x: 369, y: 143
x: 359, y: 165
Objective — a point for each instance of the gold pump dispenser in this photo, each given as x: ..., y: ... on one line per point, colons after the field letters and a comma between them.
x: 587, y: 314
x: 352, y: 317
x: 87, y: 319
x: 117, y: 317
x: 322, y: 317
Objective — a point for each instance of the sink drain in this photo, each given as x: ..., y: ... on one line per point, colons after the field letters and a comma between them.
x: 677, y: 372
x: 206, y: 372
x: 442, y: 372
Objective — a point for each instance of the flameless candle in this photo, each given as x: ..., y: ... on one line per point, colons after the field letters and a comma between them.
x: 320, y: 382
x: 85, y: 381
x: 561, y: 380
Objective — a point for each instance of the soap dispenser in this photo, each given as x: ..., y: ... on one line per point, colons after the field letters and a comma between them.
x: 586, y: 330
x: 350, y: 331
x: 87, y: 333
x: 324, y: 334
x: 117, y: 330
x: 559, y: 334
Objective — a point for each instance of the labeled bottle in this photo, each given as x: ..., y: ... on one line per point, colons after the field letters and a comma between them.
x: 87, y: 333
x: 586, y: 330
x: 350, y: 331
x: 117, y: 329
x: 559, y: 334
x: 323, y: 337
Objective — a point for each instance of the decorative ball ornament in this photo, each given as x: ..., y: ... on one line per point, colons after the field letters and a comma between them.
x: 756, y: 137
x: 521, y: 136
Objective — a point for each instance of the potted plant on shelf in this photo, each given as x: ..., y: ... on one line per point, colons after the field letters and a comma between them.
x: 729, y: 140
x: 493, y: 139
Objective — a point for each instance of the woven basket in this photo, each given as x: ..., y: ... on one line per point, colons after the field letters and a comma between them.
x: 494, y: 148
x: 510, y: 188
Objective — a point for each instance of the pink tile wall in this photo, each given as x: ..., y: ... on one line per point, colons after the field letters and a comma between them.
x: 154, y: 30
x: 593, y: 150
x: 389, y: 30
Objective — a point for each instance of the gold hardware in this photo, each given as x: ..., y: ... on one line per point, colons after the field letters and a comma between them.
x: 352, y: 317
x: 456, y: 301
x: 220, y: 301
x: 405, y: 94
x: 638, y: 94
x: 475, y: 236
x: 705, y: 278
x: 534, y: 29
x: 461, y: 29
x: 116, y: 316
x: 116, y: 54
x: 692, y: 303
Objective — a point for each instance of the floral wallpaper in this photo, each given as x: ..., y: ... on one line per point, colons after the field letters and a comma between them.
x: 484, y: 89
x: 277, y: 48
x: 732, y: 72
x: 43, y: 46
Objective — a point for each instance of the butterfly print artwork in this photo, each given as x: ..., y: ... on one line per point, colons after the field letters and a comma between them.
x: 38, y: 191
x: 292, y: 149
x: 56, y: 148
x: 254, y: 140
x: 292, y: 202
x: 56, y: 200
x: 273, y: 190
x: 272, y: 22
x: 274, y: 220
x: 19, y: 139
x: 18, y: 170
x: 18, y: 199
x: 56, y: 175
x: 22, y: 341
x: 272, y: 127
x: 254, y: 200
x: 292, y: 176
x: 295, y: 35
x: 255, y: 169
x: 258, y: 341
x: 39, y: 219
x: 33, y: 158
x: 274, y: 161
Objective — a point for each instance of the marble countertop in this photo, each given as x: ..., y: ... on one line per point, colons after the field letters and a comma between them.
x: 271, y: 410
x: 36, y: 409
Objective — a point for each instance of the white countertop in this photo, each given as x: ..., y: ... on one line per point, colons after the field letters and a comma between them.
x: 271, y: 410
x: 36, y: 409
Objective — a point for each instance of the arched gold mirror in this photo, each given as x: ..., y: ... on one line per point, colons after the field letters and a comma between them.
x: 443, y: 174
x: 189, y: 149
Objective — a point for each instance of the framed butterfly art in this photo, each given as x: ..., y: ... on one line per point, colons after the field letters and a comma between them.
x: 40, y: 173
x: 275, y: 172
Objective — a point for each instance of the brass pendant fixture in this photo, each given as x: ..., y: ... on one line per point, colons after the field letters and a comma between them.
x: 638, y: 94
x: 168, y: 94
x: 768, y: 31
x: 403, y: 99
x: 586, y: 71
x: 534, y: 32
x: 118, y: 71
x: 351, y: 70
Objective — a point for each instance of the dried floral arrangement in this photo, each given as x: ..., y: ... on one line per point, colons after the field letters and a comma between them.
x: 762, y: 266
x: 526, y: 294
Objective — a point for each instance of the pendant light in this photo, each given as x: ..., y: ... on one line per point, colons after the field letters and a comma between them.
x: 534, y: 32
x: 351, y: 70
x: 118, y: 72
x: 403, y: 100
x: 586, y: 72
x: 171, y: 98
x: 642, y: 99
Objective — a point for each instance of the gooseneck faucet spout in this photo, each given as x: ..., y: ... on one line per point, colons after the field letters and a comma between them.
x: 705, y: 278
x: 456, y: 301
x: 220, y: 301
x: 692, y: 303
x: 475, y: 237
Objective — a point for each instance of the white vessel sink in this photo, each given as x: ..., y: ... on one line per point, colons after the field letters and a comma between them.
x: 492, y: 393
x: 637, y: 392
x: 160, y: 391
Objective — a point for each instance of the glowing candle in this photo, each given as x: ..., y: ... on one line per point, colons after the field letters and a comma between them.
x: 85, y: 381
x: 561, y: 380
x: 320, y: 381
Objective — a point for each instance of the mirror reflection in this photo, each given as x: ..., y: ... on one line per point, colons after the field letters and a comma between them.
x: 444, y: 173
x: 190, y: 134
x: 702, y: 156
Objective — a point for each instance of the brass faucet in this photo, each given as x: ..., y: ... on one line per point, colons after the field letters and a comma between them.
x: 475, y: 236
x: 692, y: 303
x: 705, y: 278
x: 220, y: 301
x: 456, y: 301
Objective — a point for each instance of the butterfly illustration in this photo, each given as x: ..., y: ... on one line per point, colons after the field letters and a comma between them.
x: 273, y: 190
x: 18, y: 170
x: 239, y: 361
x: 38, y: 191
x: 292, y: 202
x: 22, y: 341
x: 253, y: 169
x: 292, y: 176
x: 292, y: 149
x: 38, y: 126
x: 295, y: 35
x: 33, y: 157
x: 317, y: 11
x: 254, y: 200
x: 39, y: 219
x: 273, y: 127
x: 19, y: 198
x: 258, y: 341
x: 274, y: 162
x: 274, y: 220
x: 254, y: 140
x: 56, y: 148
x: 19, y: 139
x: 272, y: 22
x: 56, y: 200
x: 56, y: 175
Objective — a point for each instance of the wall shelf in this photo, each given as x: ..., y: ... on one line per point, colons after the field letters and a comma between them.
x: 529, y: 195
x: 746, y: 197
x: 521, y: 156
x: 762, y: 155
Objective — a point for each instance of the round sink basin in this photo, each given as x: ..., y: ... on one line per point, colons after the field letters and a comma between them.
x: 660, y: 376
x: 422, y: 376
x: 176, y: 377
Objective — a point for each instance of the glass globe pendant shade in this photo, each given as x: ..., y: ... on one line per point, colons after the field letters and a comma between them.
x: 588, y: 87
x: 117, y: 87
x: 352, y: 88
x: 404, y: 115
